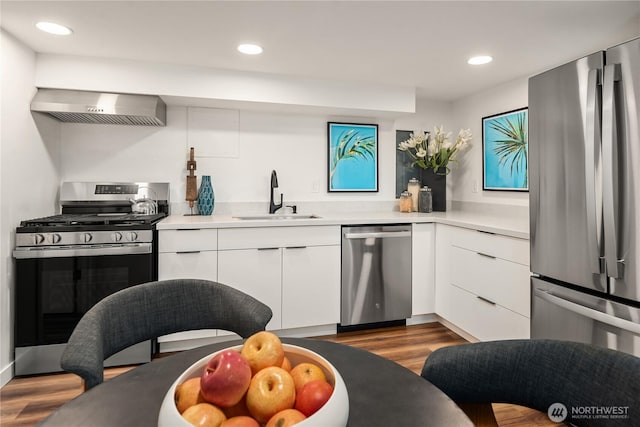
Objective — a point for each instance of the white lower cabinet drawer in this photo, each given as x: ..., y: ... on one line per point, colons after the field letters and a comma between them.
x: 486, y: 321
x: 505, y: 247
x: 188, y: 265
x: 503, y: 282
x: 188, y: 240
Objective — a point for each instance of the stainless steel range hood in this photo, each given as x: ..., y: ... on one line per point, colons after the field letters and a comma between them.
x: 78, y: 106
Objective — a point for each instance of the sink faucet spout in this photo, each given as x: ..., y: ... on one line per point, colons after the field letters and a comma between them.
x: 273, y: 207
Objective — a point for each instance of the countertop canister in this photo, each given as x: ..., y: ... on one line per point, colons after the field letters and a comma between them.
x: 425, y: 200
x: 406, y: 203
x: 413, y: 187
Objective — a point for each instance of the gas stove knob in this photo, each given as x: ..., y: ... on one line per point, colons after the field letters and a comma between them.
x: 38, y: 238
x: 54, y: 238
x: 87, y: 237
x: 132, y: 236
x: 116, y: 237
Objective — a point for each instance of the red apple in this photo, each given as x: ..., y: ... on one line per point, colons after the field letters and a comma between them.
x: 306, y: 372
x: 286, y: 418
x: 263, y: 349
x: 313, y: 396
x: 271, y: 391
x: 225, y: 379
x: 204, y: 415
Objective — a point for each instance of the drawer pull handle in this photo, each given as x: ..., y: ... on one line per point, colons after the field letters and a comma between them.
x: 486, y: 255
x: 485, y: 300
x: 268, y: 249
x: 296, y: 247
x: 187, y: 252
x: 187, y: 229
x: 485, y: 232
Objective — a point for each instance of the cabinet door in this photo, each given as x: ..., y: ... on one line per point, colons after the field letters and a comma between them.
x: 310, y: 286
x: 256, y: 272
x: 187, y: 265
x: 423, y: 269
x: 445, y: 302
x: 192, y: 265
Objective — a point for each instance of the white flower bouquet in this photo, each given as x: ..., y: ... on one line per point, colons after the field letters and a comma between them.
x: 436, y: 152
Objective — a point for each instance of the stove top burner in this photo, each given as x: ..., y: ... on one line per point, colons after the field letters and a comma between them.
x: 66, y: 220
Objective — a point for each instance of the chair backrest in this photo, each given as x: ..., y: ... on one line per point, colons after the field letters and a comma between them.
x: 153, y: 309
x: 539, y: 373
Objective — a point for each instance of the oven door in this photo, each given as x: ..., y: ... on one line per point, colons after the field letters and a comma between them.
x: 55, y: 288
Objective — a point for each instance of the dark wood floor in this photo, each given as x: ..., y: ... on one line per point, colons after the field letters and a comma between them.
x: 25, y: 401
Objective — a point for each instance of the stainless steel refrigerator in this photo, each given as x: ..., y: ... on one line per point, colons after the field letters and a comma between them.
x: 584, y: 154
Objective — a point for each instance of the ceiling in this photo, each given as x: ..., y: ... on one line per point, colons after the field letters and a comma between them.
x: 424, y: 44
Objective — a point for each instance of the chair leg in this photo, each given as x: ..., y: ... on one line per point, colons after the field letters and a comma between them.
x: 481, y: 414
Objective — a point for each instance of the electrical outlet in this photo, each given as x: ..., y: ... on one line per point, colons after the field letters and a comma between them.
x: 315, y: 187
x: 475, y: 187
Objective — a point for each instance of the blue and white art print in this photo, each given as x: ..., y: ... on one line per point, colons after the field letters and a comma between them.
x: 353, y: 157
x: 505, y: 151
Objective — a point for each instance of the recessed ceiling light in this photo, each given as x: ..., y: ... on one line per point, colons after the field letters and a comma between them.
x: 250, y: 49
x: 53, y: 28
x: 479, y: 60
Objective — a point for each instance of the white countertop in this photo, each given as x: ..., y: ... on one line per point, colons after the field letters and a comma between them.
x: 509, y: 222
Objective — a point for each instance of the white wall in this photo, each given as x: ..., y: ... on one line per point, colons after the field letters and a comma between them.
x: 294, y: 145
x: 468, y: 113
x: 28, y: 174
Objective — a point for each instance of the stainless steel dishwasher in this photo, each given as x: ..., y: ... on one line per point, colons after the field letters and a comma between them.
x: 376, y: 274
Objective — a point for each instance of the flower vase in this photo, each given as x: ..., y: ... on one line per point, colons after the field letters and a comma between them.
x: 205, y: 196
x: 438, y: 185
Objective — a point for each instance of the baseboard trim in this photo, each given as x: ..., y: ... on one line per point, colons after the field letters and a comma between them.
x: 422, y: 318
x: 457, y: 330
x: 6, y: 374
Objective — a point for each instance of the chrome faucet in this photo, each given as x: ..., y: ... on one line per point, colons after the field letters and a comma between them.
x: 274, y: 184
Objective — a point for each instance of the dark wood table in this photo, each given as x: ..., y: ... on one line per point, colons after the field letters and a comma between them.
x: 381, y: 392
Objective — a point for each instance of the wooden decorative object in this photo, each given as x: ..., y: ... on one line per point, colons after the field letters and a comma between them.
x: 192, y: 183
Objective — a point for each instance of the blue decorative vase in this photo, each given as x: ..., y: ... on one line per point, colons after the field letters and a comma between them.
x: 205, y: 196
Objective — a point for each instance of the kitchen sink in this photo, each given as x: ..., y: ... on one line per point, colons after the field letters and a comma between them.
x: 277, y: 217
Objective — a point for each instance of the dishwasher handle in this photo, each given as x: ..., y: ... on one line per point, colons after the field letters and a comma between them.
x: 377, y: 234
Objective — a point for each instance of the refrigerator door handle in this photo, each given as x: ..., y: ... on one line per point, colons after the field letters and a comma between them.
x: 609, y: 168
x: 593, y: 173
x: 588, y: 312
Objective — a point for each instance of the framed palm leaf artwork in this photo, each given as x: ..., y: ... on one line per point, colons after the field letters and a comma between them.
x: 353, y: 157
x: 505, y: 151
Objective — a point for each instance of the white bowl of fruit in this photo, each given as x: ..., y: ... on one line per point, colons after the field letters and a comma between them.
x: 261, y: 383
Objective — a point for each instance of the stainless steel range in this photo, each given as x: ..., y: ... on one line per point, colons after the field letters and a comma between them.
x: 104, y: 240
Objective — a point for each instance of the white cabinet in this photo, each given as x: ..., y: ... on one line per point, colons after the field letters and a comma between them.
x: 482, y: 283
x: 294, y: 270
x: 423, y: 269
x: 256, y: 272
x: 188, y: 253
x: 310, y: 286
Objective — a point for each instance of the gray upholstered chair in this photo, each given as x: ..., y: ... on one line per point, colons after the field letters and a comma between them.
x: 539, y: 373
x: 149, y: 310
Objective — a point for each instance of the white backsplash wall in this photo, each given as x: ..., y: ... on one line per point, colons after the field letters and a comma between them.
x: 294, y: 145
x: 469, y: 112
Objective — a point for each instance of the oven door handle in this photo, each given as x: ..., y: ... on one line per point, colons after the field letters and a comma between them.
x: 69, y: 252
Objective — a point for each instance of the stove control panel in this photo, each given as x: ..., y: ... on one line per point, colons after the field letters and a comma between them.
x: 82, y: 238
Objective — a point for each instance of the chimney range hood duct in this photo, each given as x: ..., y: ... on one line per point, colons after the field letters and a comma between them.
x: 77, y: 106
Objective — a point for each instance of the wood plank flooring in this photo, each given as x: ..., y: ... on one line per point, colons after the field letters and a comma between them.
x: 25, y: 401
